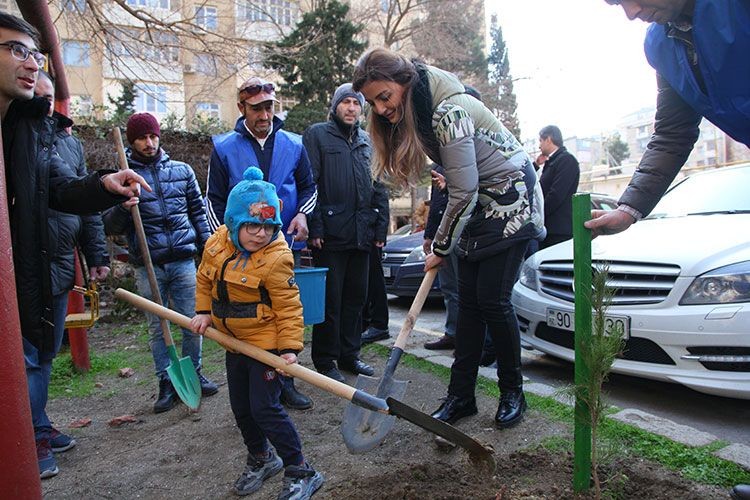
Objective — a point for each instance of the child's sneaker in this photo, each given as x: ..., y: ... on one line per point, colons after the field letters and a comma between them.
x: 300, y: 482
x: 47, y: 465
x: 257, y: 470
x: 60, y: 442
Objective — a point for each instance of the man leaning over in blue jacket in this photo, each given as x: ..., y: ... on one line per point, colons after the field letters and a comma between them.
x: 699, y: 49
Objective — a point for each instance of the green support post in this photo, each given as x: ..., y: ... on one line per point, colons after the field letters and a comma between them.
x: 582, y: 283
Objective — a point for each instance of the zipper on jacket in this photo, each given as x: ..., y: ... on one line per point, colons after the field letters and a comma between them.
x: 163, y: 205
x: 224, y: 290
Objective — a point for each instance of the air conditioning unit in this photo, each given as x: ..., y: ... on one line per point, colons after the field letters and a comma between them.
x: 188, y: 68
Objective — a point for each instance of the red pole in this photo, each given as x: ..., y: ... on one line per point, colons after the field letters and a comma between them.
x: 20, y: 476
x: 79, y: 344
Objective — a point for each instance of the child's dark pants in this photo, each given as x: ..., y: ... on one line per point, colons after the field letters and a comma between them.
x: 254, y: 390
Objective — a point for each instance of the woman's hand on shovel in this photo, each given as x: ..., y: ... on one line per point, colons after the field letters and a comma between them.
x: 290, y: 359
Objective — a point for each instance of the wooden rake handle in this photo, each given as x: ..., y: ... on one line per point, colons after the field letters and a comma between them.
x: 296, y: 370
x: 142, y: 244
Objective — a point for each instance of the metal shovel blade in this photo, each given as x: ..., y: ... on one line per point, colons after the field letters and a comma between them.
x: 364, y: 429
x: 476, y: 450
x: 184, y: 379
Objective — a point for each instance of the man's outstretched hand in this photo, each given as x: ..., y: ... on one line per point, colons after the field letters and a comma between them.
x: 125, y: 183
x: 608, y: 222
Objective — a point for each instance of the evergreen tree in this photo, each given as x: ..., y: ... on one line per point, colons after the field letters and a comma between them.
x: 318, y: 55
x: 617, y: 150
x: 504, y: 103
x: 453, y: 42
x: 124, y: 103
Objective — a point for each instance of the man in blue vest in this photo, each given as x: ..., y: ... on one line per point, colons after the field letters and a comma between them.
x: 258, y: 140
x: 699, y: 49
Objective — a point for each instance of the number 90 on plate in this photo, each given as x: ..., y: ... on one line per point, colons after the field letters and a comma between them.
x: 566, y: 320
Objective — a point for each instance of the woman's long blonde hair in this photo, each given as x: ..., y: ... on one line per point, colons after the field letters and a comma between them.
x: 399, y: 153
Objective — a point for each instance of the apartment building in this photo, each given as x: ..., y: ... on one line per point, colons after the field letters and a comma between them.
x: 193, y: 68
x: 713, y: 147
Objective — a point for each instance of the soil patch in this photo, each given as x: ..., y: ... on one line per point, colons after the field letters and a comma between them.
x: 183, y: 454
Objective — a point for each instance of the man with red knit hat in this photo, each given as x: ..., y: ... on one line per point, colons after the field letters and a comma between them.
x: 176, y: 230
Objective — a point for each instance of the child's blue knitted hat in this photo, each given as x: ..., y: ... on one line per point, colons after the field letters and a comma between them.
x: 251, y: 200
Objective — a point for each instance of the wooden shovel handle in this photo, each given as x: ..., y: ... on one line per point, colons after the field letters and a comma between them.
x: 141, y: 235
x: 415, y: 309
x: 296, y: 370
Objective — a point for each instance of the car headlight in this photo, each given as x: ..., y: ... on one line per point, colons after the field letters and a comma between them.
x: 725, y: 285
x: 416, y: 255
x: 528, y: 275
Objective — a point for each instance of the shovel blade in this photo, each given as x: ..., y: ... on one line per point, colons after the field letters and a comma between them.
x: 184, y: 379
x: 477, y: 451
x: 363, y: 429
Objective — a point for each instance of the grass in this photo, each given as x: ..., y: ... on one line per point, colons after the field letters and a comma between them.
x: 65, y: 381
x: 696, y: 463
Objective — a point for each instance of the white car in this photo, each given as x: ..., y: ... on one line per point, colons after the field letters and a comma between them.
x: 683, y: 288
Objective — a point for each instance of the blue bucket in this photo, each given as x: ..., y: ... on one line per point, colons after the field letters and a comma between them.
x: 312, y: 292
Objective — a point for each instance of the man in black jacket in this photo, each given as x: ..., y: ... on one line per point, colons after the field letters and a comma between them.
x: 37, y: 179
x: 559, y: 182
x: 348, y: 219
x: 176, y: 231
x: 66, y: 231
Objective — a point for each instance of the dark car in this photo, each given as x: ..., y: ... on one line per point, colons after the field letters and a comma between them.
x: 403, y: 258
x: 403, y: 266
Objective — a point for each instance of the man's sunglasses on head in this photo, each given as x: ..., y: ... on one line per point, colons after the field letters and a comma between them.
x: 21, y: 52
x: 253, y: 90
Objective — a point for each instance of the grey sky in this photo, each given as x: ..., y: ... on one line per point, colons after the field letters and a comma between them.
x: 579, y: 64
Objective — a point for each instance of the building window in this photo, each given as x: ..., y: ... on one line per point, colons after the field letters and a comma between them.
x: 155, y: 4
x: 281, y: 12
x: 208, y: 109
x: 82, y: 105
x: 151, y: 98
x: 76, y: 54
x: 164, y: 49
x: 255, y: 58
x: 206, y: 18
x: 205, y: 64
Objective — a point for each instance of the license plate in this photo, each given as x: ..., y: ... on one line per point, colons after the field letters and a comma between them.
x: 386, y: 272
x: 566, y: 320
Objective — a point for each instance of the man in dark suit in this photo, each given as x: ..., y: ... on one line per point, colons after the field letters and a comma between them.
x: 559, y: 182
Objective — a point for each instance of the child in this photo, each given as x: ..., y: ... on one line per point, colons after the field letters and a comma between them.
x: 246, y: 288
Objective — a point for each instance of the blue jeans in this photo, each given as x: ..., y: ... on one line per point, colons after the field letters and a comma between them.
x: 39, y: 367
x: 177, y: 288
x: 448, y: 276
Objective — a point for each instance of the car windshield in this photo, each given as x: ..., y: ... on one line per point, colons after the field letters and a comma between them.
x: 722, y: 191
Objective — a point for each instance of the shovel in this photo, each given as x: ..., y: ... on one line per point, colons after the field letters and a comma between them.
x: 388, y: 406
x: 362, y: 429
x: 181, y: 371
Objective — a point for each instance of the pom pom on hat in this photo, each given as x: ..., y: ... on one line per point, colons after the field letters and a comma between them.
x: 254, y: 174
